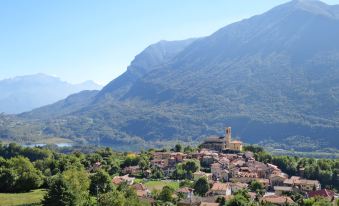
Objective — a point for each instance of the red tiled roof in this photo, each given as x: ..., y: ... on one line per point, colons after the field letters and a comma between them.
x: 219, y: 186
x: 141, y: 193
x: 322, y: 193
x: 117, y: 180
x: 184, y: 190
x: 208, y: 204
x: 275, y: 199
x: 139, y: 186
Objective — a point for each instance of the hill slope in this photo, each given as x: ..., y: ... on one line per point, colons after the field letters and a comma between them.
x: 273, y: 76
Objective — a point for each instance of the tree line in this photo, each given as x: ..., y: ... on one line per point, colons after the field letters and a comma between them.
x: 324, y: 170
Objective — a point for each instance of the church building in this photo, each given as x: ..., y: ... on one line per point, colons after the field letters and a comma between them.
x: 223, y: 143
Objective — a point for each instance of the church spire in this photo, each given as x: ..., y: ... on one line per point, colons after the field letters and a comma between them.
x: 228, y: 137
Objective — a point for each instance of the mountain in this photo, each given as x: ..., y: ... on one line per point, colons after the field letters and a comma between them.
x: 274, y: 76
x: 153, y: 57
x: 24, y: 93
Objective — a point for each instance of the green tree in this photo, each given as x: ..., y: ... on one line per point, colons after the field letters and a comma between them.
x: 188, y: 149
x: 191, y: 166
x: 179, y: 173
x: 114, y: 168
x: 157, y: 173
x: 238, y: 200
x: 166, y: 194
x: 7, y: 179
x: 78, y: 182
x: 322, y: 202
x: 127, y: 190
x: 114, y: 198
x: 257, y: 187
x: 59, y: 193
x: 178, y: 148
x: 101, y: 182
x: 28, y: 176
x: 201, y: 186
x: 186, y: 183
x: 144, y: 165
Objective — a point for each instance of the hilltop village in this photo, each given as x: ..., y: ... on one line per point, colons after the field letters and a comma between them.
x: 220, y: 172
x: 227, y: 169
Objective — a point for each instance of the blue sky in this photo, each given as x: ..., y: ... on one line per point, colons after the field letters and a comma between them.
x: 78, y: 40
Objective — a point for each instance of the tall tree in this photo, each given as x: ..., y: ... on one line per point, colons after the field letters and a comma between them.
x: 78, y: 182
x: 59, y: 193
x: 28, y: 177
x: 101, y: 182
x: 166, y: 195
x: 201, y: 186
x: 114, y: 198
x: 178, y: 148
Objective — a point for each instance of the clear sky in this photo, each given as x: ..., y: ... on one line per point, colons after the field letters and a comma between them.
x: 79, y: 40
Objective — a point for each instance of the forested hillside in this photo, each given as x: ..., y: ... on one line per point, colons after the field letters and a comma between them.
x: 273, y: 77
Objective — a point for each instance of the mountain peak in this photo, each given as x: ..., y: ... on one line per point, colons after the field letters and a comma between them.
x: 314, y: 6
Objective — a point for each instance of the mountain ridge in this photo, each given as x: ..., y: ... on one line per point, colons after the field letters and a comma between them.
x: 272, y: 76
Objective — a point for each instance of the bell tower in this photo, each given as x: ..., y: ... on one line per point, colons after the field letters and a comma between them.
x: 228, y: 137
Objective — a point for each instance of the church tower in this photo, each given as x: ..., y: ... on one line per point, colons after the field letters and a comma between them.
x: 228, y: 137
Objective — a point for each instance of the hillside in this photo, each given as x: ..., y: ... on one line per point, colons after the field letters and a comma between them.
x: 24, y: 93
x: 274, y: 76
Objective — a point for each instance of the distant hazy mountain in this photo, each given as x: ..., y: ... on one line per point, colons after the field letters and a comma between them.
x: 25, y: 93
x: 273, y: 76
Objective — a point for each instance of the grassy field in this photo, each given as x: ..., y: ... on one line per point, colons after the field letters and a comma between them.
x: 158, y: 185
x: 21, y: 199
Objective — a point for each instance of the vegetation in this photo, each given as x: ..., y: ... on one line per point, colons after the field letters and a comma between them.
x: 84, y: 179
x: 158, y: 185
x: 186, y: 170
x: 186, y: 90
x: 201, y: 186
x: 64, y: 176
x: 324, y: 170
x: 18, y: 199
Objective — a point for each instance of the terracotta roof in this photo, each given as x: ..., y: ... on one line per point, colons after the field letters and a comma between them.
x: 253, y: 195
x: 307, y: 182
x: 281, y: 175
x: 139, y: 186
x: 117, y: 180
x: 295, y: 178
x: 282, y: 188
x: 208, y: 204
x: 215, y: 165
x: 275, y: 199
x: 195, y: 200
x: 184, y: 190
x: 322, y: 193
x: 239, y: 185
x: 264, y: 181
x: 219, y: 186
x: 236, y: 142
x: 289, y: 181
x: 142, y: 193
x: 224, y: 160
